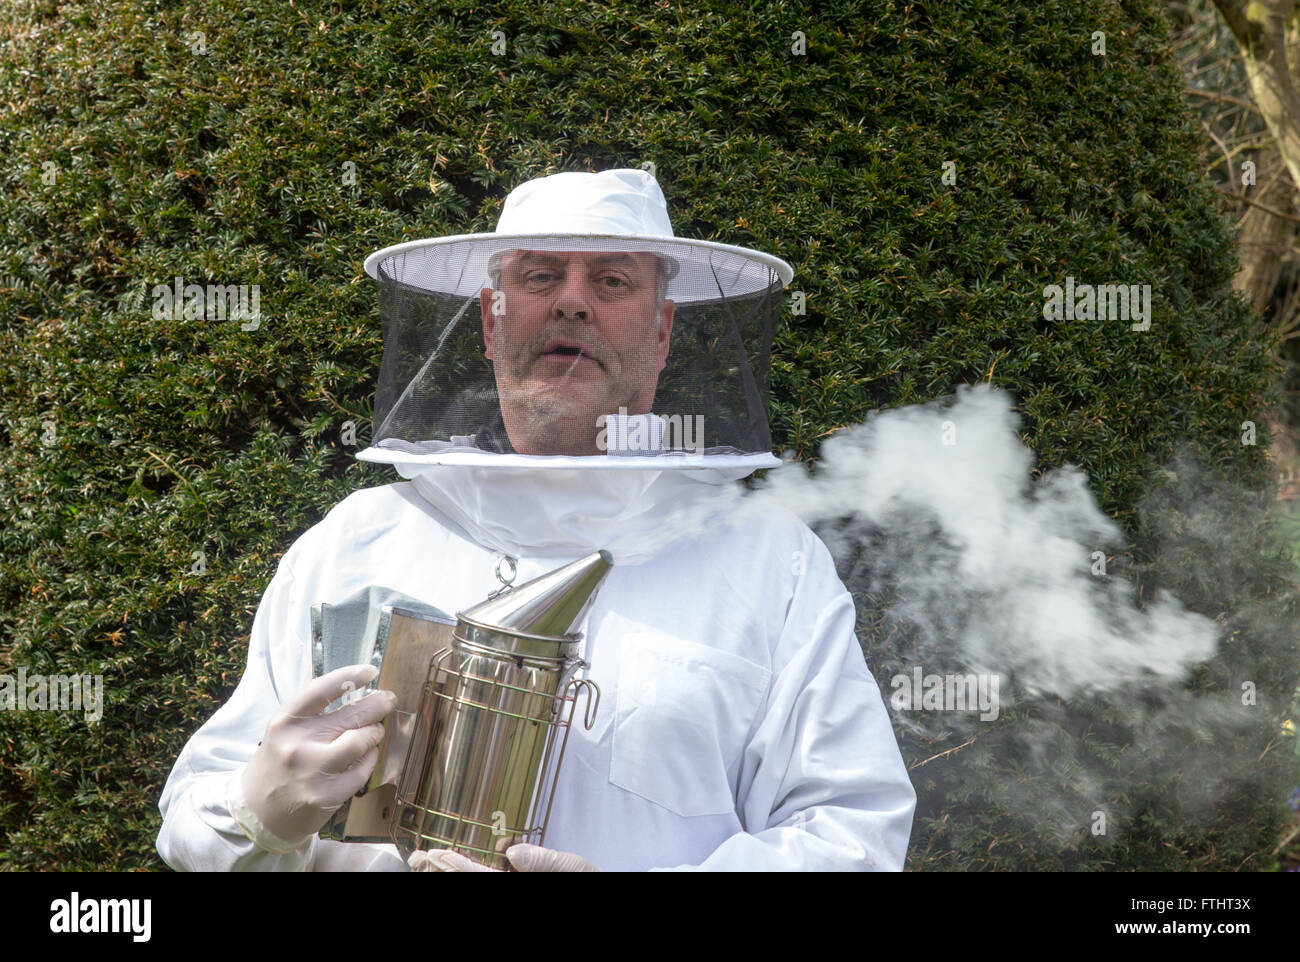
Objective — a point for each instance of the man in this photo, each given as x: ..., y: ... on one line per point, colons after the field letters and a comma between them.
x: 568, y: 353
x: 739, y: 726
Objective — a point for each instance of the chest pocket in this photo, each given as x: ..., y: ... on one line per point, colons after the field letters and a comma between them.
x: 682, y: 714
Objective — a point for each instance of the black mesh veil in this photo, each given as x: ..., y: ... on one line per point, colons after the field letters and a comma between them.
x: 618, y: 348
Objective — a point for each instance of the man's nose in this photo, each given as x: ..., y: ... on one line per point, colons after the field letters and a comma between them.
x: 573, y: 300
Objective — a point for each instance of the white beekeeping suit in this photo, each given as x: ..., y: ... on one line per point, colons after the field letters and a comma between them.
x: 739, y: 727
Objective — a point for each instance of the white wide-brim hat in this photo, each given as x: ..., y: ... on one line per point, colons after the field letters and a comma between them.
x: 622, y: 209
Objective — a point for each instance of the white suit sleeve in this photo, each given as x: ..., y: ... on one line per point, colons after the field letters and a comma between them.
x: 198, y: 832
x: 822, y: 785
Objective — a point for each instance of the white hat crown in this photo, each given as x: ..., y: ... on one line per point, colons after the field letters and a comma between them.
x: 621, y: 201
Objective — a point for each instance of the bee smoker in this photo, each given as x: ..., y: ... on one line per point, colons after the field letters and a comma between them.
x: 482, y: 718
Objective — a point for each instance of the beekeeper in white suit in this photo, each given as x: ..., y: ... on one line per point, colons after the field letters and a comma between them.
x: 579, y: 379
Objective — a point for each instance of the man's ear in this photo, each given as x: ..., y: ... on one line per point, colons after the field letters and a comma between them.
x: 665, y: 330
x: 489, y: 319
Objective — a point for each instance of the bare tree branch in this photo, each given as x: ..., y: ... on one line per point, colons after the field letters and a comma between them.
x: 1222, y: 98
x: 1254, y: 203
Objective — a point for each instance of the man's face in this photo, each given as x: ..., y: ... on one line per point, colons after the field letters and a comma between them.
x: 573, y: 335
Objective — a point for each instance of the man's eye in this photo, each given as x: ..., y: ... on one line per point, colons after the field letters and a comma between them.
x: 538, y: 276
x: 613, y: 277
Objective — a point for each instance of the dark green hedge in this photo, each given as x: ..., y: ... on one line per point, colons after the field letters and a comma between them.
x: 128, y: 444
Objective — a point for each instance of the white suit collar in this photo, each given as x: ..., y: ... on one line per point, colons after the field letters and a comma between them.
x: 570, y: 512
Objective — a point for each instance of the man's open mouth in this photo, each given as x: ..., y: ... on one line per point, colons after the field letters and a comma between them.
x: 568, y: 350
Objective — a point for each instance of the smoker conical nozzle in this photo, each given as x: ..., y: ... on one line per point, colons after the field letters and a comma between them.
x: 551, y: 604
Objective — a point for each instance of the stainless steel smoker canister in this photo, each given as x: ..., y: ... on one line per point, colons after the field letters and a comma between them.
x: 493, y: 720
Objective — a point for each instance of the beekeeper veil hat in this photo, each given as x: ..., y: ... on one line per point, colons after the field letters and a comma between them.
x: 581, y: 333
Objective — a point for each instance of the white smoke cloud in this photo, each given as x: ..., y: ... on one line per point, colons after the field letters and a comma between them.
x: 992, y: 567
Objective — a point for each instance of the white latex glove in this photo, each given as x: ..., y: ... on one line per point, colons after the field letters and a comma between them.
x: 523, y: 858
x: 309, y: 764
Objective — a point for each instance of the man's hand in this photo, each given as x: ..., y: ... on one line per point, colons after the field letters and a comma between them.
x: 523, y: 858
x: 309, y: 764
